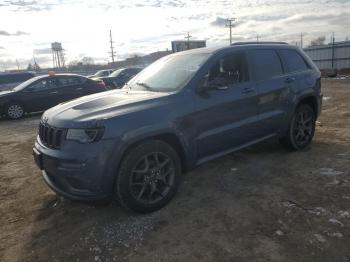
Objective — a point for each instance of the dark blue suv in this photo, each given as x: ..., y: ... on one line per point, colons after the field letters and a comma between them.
x: 181, y: 111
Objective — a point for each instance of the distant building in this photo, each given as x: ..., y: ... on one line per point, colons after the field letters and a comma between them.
x: 329, y: 56
x: 140, y: 60
x: 182, y: 45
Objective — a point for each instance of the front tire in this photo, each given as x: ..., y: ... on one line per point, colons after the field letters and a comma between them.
x: 148, y: 177
x: 301, y: 129
x: 14, y: 111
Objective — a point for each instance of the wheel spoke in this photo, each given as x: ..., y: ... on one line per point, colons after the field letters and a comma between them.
x: 142, y: 191
x: 145, y: 170
x: 163, y: 177
x: 166, y: 161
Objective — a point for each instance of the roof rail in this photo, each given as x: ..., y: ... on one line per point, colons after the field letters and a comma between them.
x: 259, y: 43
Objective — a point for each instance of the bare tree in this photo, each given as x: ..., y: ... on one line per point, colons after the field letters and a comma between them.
x: 318, y: 41
x: 87, y: 60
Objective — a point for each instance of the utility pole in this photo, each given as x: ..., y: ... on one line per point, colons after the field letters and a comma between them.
x: 230, y: 25
x: 112, y: 48
x: 188, y: 40
x: 257, y: 38
x: 333, y: 51
x: 17, y: 64
x: 301, y: 40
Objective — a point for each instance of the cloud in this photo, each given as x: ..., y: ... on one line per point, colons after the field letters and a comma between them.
x: 42, y: 51
x: 30, y: 5
x: 221, y: 22
x: 18, y: 33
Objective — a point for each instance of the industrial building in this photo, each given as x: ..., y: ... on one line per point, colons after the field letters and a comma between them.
x: 330, y: 56
x: 181, y: 45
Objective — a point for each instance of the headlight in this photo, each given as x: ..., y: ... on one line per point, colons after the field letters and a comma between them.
x: 85, y: 135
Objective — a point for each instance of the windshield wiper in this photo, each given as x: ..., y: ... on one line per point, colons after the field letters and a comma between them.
x: 128, y: 86
x: 144, y: 85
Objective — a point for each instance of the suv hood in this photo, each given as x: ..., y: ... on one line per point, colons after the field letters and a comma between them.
x: 87, y: 111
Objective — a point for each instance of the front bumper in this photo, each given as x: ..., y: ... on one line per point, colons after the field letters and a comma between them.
x: 83, y: 175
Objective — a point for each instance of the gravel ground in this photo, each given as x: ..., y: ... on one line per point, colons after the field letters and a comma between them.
x: 264, y: 203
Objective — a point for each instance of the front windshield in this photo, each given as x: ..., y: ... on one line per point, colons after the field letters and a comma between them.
x: 116, y: 72
x: 169, y: 73
x: 26, y: 83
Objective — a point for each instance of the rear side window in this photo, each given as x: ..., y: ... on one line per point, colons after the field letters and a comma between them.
x: 70, y: 81
x: 292, y: 61
x: 265, y: 64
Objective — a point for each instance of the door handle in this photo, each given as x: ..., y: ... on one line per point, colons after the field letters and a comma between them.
x: 289, y: 80
x: 248, y: 90
x: 54, y: 92
x: 79, y: 88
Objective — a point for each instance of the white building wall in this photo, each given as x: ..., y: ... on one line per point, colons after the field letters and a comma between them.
x: 322, y: 55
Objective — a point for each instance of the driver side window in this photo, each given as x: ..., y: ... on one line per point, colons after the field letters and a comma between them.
x: 43, y: 84
x: 229, y: 70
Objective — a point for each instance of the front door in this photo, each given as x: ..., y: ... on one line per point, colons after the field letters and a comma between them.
x: 41, y: 95
x: 226, y: 111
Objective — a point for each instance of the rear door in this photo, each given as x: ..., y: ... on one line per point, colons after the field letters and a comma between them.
x: 71, y: 87
x: 297, y: 71
x: 226, y: 113
x: 272, y: 87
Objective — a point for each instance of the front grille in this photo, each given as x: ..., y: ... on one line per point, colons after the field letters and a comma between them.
x: 51, y: 136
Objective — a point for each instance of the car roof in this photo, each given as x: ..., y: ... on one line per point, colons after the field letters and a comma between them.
x: 65, y: 74
x: 238, y: 45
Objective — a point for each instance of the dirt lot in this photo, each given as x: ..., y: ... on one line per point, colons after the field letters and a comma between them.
x: 261, y: 204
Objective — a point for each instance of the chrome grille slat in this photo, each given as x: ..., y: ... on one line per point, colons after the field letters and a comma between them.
x: 51, y: 136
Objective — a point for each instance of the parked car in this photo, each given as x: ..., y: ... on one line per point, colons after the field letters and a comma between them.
x: 101, y: 73
x: 183, y: 110
x: 119, y: 77
x: 42, y: 92
x: 10, y: 80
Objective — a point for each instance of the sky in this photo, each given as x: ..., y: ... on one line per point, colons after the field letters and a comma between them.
x: 28, y: 27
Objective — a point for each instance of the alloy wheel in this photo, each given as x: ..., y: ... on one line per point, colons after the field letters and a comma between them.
x: 15, y: 111
x: 152, y: 178
x: 303, y: 127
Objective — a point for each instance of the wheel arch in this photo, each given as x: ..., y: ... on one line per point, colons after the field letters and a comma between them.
x: 311, y: 101
x: 170, y: 138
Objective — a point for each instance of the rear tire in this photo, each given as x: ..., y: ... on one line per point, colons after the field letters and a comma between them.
x: 301, y: 129
x: 14, y: 111
x: 148, y: 177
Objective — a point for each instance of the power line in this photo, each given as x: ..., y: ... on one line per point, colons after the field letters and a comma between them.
x: 112, y: 48
x: 230, y: 25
